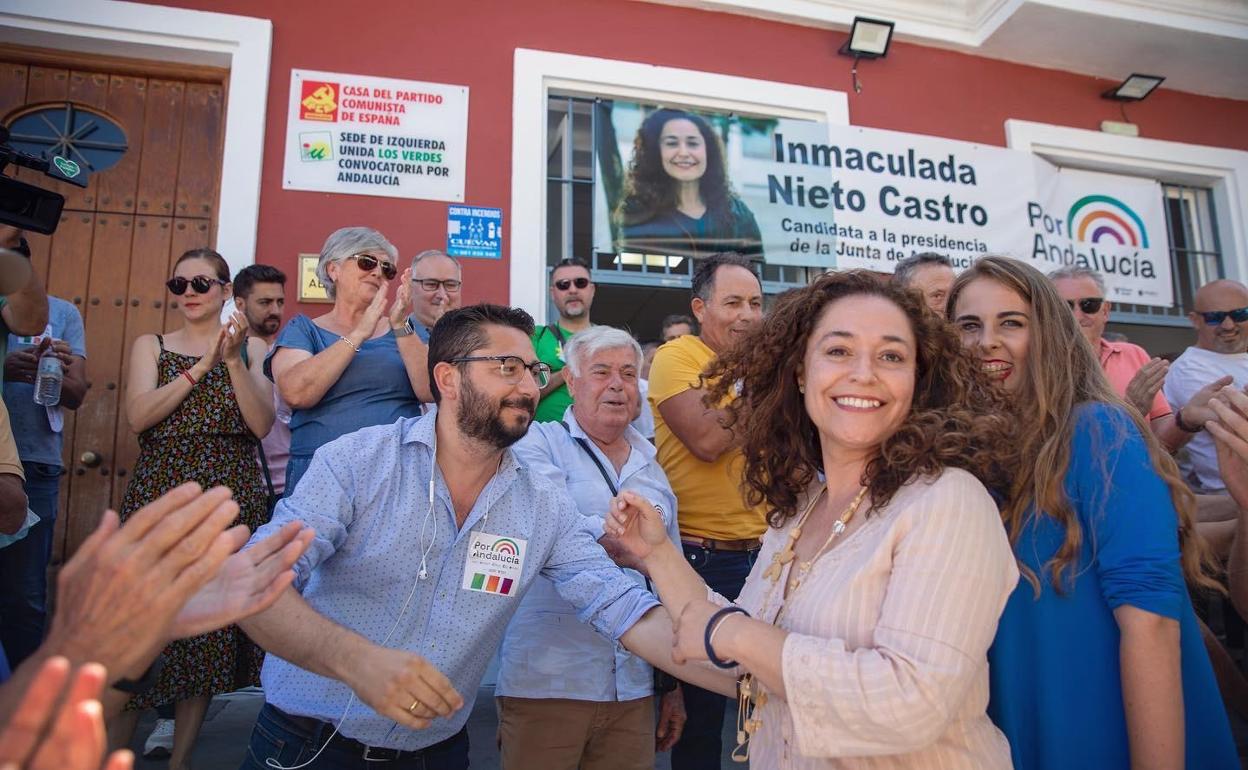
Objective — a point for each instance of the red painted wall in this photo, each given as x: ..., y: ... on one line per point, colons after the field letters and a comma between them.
x: 916, y: 89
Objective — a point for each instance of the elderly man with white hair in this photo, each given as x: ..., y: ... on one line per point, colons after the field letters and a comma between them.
x: 568, y: 697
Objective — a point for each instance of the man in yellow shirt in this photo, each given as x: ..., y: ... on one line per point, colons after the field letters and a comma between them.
x: 703, y: 463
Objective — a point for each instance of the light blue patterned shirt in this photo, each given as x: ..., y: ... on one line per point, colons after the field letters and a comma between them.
x: 366, y: 495
x: 548, y: 652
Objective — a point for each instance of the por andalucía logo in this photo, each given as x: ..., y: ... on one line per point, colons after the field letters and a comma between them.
x: 1102, y: 219
x: 319, y: 101
x: 506, y: 545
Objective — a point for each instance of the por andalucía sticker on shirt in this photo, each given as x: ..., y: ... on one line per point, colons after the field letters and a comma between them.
x: 494, y: 563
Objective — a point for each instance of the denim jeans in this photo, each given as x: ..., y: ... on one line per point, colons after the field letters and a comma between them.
x: 701, y: 744
x: 278, y: 737
x: 24, y: 568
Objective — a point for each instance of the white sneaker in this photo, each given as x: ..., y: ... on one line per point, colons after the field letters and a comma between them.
x: 160, y: 742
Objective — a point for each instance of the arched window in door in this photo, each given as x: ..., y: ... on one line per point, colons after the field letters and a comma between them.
x: 74, y: 131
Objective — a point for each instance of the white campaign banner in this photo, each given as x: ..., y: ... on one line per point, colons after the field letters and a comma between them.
x: 1113, y: 224
x: 848, y: 197
x: 364, y: 135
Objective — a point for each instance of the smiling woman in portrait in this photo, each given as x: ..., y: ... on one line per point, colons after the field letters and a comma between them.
x: 678, y: 199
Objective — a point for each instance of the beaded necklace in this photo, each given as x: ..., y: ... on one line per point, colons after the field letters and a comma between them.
x: 751, y: 696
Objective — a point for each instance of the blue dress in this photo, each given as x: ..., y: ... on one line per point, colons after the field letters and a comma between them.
x: 1056, y: 691
x: 373, y: 390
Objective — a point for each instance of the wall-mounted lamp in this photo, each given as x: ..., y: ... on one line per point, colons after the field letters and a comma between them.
x: 1135, y: 88
x: 868, y: 39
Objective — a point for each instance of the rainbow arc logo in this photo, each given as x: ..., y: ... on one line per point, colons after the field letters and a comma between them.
x: 506, y: 545
x: 497, y: 584
x: 1104, y: 219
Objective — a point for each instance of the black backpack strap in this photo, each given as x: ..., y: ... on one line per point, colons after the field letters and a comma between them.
x: 601, y: 469
x: 555, y: 330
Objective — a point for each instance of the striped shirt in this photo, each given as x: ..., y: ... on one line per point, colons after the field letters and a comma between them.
x: 885, y: 665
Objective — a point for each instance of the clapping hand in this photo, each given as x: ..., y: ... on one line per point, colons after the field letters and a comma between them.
x: 118, y: 596
x: 372, y: 314
x: 402, y: 306
x: 1197, y: 411
x: 59, y: 724
x: 248, y: 583
x: 1144, y: 385
x: 232, y: 337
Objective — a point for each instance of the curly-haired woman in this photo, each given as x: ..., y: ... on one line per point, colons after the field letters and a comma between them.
x: 677, y: 197
x: 1098, y: 661
x: 877, y: 590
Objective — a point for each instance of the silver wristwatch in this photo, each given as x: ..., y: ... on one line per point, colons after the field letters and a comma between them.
x: 406, y: 330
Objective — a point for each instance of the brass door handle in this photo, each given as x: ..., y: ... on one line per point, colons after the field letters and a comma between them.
x: 91, y: 459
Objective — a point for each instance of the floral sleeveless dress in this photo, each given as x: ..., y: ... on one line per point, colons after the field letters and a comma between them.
x: 204, y: 440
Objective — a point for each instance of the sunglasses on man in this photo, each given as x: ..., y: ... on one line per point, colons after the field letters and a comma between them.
x: 368, y: 263
x: 1216, y: 317
x: 563, y: 284
x: 1087, y: 305
x: 200, y: 283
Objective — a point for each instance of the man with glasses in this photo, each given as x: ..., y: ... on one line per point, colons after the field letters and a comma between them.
x: 429, y: 531
x: 437, y: 288
x: 1219, y: 357
x: 572, y: 292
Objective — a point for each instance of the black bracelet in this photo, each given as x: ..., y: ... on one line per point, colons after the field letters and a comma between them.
x: 711, y: 624
x: 1178, y: 420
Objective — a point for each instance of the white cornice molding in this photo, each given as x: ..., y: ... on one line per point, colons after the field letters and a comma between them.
x: 969, y: 23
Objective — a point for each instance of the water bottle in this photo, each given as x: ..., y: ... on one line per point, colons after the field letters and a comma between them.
x: 48, y: 380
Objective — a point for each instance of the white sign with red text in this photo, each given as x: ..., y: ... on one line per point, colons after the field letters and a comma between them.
x: 364, y: 135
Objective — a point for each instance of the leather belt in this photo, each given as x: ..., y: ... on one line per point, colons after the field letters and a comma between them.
x: 316, y: 728
x: 711, y: 544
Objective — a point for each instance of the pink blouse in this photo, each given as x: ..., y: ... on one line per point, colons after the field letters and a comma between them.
x: 885, y: 665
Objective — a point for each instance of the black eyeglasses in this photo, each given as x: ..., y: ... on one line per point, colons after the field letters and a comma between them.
x: 200, y: 283
x: 1216, y: 317
x: 511, y: 368
x: 563, y: 284
x: 432, y: 284
x: 1087, y: 305
x: 368, y: 263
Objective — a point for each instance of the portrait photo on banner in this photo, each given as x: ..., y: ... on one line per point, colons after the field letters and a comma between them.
x: 672, y: 181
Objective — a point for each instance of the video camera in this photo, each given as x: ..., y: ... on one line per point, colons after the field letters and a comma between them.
x: 25, y: 205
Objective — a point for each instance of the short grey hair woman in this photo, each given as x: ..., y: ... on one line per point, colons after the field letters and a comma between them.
x: 358, y: 364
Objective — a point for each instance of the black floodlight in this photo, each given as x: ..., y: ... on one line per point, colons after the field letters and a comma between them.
x: 868, y: 38
x: 1135, y: 88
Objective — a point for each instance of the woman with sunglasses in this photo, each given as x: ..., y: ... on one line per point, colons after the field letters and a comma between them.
x: 1098, y: 660
x: 678, y: 198
x: 356, y: 365
x: 199, y: 401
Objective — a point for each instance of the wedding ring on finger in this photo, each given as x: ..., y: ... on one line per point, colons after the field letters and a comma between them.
x: 412, y: 708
